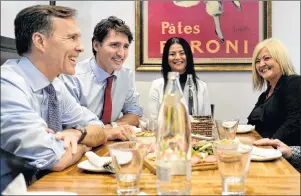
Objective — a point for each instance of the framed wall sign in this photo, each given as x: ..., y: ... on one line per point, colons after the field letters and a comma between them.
x: 222, y: 34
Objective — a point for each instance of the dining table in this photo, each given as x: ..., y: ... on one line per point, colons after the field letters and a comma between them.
x: 276, y: 177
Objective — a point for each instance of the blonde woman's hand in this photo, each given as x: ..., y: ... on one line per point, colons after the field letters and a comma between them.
x: 282, y: 147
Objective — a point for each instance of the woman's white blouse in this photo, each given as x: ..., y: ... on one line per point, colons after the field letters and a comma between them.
x: 155, y: 97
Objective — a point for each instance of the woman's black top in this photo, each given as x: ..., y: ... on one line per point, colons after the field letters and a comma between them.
x: 278, y: 116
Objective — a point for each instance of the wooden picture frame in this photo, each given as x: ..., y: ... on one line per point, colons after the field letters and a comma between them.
x: 167, y: 19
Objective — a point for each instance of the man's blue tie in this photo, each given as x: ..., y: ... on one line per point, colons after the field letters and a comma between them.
x: 54, y: 117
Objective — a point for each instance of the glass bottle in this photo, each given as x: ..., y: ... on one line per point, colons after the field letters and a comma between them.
x: 173, y: 147
x: 190, y: 95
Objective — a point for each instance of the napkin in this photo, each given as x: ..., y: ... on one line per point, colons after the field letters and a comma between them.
x: 96, y: 160
x: 18, y: 187
x: 136, y: 129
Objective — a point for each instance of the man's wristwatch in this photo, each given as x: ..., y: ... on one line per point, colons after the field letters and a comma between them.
x: 83, y: 131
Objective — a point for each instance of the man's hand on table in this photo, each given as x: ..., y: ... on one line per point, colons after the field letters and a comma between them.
x: 70, y: 137
x: 107, y: 126
x: 122, y: 132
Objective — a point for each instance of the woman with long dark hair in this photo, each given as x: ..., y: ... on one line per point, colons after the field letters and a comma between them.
x: 177, y: 56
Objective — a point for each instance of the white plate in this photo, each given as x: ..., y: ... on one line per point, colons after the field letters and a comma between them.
x: 86, y: 165
x: 264, y: 154
x: 245, y: 128
x: 201, y: 137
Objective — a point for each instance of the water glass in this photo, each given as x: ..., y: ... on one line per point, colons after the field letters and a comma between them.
x: 144, y: 123
x: 226, y: 129
x: 153, y: 123
x: 233, y: 163
x: 127, y: 160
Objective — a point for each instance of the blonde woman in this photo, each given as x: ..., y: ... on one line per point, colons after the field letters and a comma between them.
x: 276, y: 115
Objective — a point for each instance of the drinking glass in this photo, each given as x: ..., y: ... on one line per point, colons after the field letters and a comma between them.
x: 226, y: 129
x: 153, y: 123
x: 127, y: 160
x: 233, y: 164
x: 144, y: 123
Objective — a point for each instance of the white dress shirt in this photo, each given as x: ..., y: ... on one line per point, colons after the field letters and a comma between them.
x: 88, y: 87
x: 24, y: 110
x: 155, y: 97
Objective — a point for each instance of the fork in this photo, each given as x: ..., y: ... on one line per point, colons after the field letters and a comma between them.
x: 109, y: 167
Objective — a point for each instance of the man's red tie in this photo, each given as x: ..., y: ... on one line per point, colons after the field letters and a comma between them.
x: 107, y: 108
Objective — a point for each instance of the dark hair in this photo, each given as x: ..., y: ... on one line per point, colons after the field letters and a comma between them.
x: 36, y: 18
x: 189, y: 60
x: 102, y: 29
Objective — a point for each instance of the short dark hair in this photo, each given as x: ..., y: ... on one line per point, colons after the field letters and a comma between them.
x: 102, y: 29
x: 37, y: 18
x: 189, y: 60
